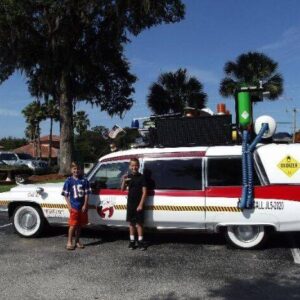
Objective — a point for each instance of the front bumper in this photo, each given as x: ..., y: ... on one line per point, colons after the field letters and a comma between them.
x: 4, y: 205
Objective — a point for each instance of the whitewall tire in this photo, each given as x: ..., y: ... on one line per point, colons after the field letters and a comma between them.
x: 28, y: 221
x: 246, y: 236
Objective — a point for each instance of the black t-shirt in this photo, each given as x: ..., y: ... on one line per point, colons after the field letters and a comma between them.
x: 135, y: 188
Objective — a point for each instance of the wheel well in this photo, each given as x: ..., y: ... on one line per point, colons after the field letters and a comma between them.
x: 269, y: 227
x: 13, y: 205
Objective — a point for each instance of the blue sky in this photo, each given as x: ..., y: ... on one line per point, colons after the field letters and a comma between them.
x: 213, y: 32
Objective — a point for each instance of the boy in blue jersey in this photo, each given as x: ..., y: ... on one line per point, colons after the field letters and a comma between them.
x: 76, y: 191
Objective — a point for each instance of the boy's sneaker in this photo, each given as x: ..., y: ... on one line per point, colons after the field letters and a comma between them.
x: 131, y: 245
x: 142, y: 246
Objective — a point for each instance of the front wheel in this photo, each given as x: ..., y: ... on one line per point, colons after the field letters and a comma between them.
x: 246, y: 236
x: 21, y: 178
x: 28, y: 221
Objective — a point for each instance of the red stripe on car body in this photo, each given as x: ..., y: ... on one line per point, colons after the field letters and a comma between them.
x: 170, y: 193
x: 280, y: 192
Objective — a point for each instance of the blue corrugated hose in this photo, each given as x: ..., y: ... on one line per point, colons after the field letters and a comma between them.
x: 247, y: 200
x: 250, y: 200
x: 243, y: 201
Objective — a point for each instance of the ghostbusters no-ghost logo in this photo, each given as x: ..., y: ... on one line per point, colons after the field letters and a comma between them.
x: 106, y: 209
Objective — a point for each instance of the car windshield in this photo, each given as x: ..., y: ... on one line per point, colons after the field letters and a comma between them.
x: 91, y: 170
x: 25, y: 156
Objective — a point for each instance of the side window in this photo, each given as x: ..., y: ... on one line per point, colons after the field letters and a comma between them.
x: 226, y: 172
x: 177, y: 174
x: 109, y: 175
x: 8, y: 156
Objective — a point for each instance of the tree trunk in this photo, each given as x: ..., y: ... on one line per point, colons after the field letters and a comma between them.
x: 35, y: 142
x: 35, y: 147
x: 50, y: 143
x: 39, y: 141
x: 66, y: 127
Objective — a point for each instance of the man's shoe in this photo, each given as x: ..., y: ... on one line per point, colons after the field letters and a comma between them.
x: 131, y: 245
x: 142, y: 246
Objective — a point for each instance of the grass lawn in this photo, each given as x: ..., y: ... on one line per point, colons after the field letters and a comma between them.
x: 6, y: 187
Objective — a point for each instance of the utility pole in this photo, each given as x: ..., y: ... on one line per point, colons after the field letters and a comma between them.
x: 294, y: 111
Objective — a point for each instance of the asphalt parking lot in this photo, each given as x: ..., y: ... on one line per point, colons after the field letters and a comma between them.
x: 175, y: 266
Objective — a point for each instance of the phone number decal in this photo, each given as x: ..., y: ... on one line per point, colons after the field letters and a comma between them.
x: 270, y: 205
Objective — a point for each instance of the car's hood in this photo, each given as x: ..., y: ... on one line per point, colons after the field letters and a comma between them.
x: 32, y: 187
x: 12, y: 162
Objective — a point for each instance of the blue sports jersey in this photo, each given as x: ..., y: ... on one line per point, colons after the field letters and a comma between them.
x: 76, y: 189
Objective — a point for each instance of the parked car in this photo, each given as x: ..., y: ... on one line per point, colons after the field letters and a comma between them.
x: 36, y: 165
x: 191, y: 188
x: 18, y: 172
x: 2, y: 163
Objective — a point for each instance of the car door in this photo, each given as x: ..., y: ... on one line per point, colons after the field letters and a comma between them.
x: 175, y: 192
x: 107, y: 202
x: 224, y: 189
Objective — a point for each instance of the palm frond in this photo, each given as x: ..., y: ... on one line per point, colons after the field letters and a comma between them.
x: 227, y: 87
x: 175, y: 90
x: 251, y: 68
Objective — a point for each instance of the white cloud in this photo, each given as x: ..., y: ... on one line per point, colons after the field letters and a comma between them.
x: 205, y: 76
x: 286, y: 47
x: 9, y: 112
x: 289, y: 38
x: 153, y: 70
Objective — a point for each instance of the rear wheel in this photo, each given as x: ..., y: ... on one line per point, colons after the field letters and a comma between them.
x: 28, y: 221
x: 246, y: 236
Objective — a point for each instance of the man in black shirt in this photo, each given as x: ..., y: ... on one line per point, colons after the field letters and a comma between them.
x: 137, y: 192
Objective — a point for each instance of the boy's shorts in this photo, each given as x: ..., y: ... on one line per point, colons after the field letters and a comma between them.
x: 135, y: 217
x: 78, y: 218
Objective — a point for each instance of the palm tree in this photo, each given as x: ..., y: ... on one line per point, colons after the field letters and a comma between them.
x: 34, y: 114
x: 31, y: 132
x: 174, y: 91
x: 81, y: 122
x: 51, y: 109
x: 250, y: 69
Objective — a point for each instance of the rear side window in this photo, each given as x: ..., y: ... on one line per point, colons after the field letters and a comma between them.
x: 24, y: 156
x: 227, y: 172
x: 109, y: 175
x: 177, y: 174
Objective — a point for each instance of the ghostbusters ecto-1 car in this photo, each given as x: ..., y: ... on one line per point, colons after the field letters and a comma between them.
x: 188, y: 188
x: 242, y: 187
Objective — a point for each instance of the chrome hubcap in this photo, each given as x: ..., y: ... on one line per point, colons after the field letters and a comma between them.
x: 246, y: 233
x: 27, y: 220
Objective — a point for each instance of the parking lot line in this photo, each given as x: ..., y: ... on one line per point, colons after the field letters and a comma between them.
x: 296, y: 255
x: 295, y: 251
x: 6, y: 225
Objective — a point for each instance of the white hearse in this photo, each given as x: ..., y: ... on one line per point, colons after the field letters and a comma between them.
x: 192, y: 188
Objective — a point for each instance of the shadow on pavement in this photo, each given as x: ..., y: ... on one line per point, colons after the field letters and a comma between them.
x: 154, y: 237
x: 173, y: 296
x: 236, y: 289
x: 261, y: 288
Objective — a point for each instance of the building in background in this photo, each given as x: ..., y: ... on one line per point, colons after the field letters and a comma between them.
x: 44, y: 144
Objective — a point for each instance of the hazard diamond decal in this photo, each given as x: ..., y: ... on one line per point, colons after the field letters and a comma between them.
x: 245, y: 115
x: 289, y: 165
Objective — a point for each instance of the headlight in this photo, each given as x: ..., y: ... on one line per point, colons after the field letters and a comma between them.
x: 33, y: 163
